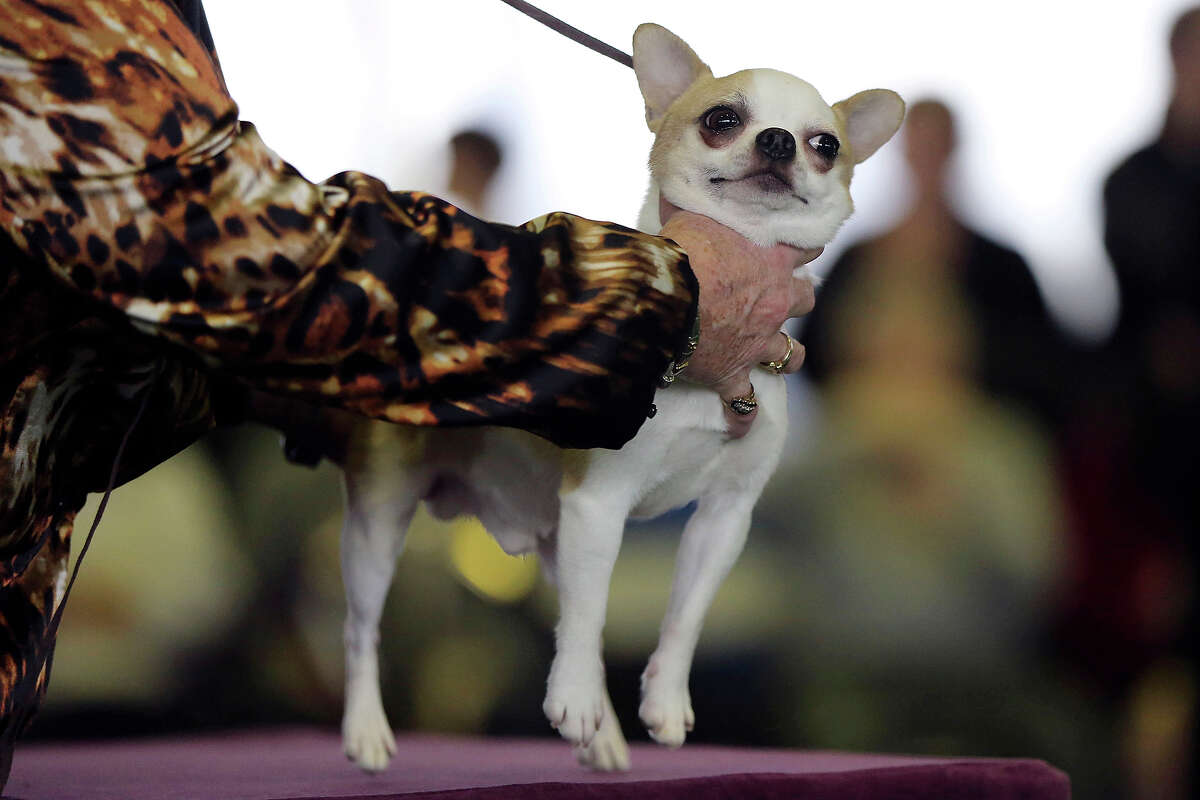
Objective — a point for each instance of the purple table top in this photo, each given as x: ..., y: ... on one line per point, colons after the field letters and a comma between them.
x: 293, y: 764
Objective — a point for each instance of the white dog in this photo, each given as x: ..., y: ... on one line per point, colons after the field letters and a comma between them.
x: 758, y: 151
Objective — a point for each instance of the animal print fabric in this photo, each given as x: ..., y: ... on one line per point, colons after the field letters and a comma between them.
x: 150, y: 242
x: 127, y: 173
x: 70, y: 385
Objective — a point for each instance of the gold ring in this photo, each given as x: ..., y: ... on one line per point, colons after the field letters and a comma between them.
x: 779, y: 366
x: 744, y: 405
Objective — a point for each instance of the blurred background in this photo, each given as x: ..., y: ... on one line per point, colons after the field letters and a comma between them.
x: 982, y: 538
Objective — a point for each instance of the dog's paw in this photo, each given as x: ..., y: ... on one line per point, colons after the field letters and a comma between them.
x: 666, y: 708
x: 367, y: 738
x: 668, y: 718
x: 575, y: 701
x: 608, y: 751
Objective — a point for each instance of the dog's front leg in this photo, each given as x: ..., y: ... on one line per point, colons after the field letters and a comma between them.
x: 379, y: 508
x: 589, y: 537
x: 608, y: 751
x: 711, y: 543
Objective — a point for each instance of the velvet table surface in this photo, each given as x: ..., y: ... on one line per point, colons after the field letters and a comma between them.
x: 293, y: 764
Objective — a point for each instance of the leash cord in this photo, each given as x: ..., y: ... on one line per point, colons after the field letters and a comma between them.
x: 112, y: 481
x: 38, y: 662
x: 574, y: 34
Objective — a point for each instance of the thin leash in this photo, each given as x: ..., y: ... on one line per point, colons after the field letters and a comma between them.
x: 39, y: 663
x: 112, y: 482
x: 51, y: 630
x: 574, y: 34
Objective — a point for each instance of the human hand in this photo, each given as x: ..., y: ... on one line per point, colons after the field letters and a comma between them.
x: 746, y: 293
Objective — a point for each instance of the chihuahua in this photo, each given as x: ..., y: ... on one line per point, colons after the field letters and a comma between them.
x: 758, y: 151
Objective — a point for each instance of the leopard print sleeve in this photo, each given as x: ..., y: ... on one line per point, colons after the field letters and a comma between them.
x: 126, y: 173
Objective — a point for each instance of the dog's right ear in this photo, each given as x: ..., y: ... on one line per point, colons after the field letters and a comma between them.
x: 665, y: 68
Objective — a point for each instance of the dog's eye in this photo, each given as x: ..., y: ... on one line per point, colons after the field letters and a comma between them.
x: 826, y: 145
x: 721, y: 119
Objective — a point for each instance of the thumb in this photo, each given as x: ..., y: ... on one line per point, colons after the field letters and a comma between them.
x: 737, y: 392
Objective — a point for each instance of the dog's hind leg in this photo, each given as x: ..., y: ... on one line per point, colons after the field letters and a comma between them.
x: 711, y: 543
x: 381, y: 498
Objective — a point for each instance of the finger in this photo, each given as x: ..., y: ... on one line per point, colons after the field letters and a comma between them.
x: 791, y: 258
x: 797, y: 360
x: 737, y: 425
x: 778, y: 348
x: 811, y: 254
x: 666, y: 209
x: 784, y: 350
x: 804, y: 296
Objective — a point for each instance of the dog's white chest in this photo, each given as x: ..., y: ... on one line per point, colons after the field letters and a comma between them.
x: 695, y: 463
x: 683, y: 453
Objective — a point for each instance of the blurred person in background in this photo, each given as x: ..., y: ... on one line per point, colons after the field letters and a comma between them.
x: 1000, y: 332
x: 475, y: 158
x: 1152, y: 364
x: 1152, y: 232
x: 924, y: 529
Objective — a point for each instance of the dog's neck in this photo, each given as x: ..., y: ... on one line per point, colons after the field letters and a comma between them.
x: 648, y: 219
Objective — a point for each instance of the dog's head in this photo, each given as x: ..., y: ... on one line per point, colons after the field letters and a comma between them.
x: 758, y: 150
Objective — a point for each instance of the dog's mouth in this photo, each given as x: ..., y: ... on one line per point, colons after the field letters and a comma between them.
x: 766, y: 180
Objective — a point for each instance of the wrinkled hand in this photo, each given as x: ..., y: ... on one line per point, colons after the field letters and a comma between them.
x: 746, y: 294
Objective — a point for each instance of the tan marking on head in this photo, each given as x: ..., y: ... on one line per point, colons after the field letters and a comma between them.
x: 681, y: 118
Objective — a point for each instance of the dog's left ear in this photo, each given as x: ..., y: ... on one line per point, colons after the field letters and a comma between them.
x: 870, y: 118
x: 665, y: 68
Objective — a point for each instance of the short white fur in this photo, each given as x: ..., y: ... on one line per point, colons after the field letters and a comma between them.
x: 571, y: 508
x: 779, y: 100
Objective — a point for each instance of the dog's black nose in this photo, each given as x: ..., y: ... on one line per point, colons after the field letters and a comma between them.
x: 776, y: 144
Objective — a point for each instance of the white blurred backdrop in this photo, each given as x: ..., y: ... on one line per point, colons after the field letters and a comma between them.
x: 1049, y: 95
